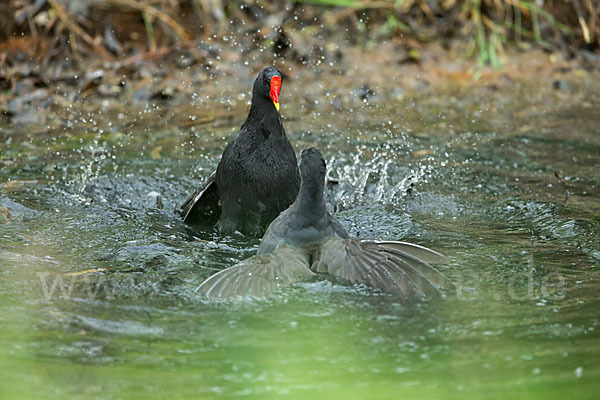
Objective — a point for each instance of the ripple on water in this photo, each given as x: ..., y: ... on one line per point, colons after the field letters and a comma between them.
x: 123, y: 327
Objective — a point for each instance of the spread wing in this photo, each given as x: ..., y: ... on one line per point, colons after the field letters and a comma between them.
x: 258, y: 275
x: 395, y: 267
x: 203, y: 205
x: 420, y: 252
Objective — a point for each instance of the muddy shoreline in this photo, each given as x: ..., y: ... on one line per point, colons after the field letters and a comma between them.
x: 32, y: 95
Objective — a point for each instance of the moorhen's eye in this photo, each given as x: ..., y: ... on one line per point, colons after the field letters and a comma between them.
x: 265, y: 80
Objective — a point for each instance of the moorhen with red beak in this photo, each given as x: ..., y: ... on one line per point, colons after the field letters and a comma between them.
x: 306, y: 240
x: 257, y: 176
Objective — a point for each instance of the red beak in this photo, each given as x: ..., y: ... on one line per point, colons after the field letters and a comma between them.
x: 275, y: 89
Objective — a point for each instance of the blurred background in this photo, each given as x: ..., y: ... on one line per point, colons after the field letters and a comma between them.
x: 48, y: 38
x: 115, y: 30
x: 52, y: 51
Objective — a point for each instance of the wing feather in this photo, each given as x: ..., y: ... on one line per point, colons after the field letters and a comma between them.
x: 421, y: 267
x: 203, y: 204
x: 258, y: 275
x: 400, y: 278
x: 420, y: 252
x: 373, y: 271
x: 390, y: 266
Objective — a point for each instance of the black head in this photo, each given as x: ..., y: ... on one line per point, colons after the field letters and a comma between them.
x: 312, y: 166
x: 268, y: 84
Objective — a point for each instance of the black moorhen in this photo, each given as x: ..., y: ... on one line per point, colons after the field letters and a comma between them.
x: 306, y: 239
x: 257, y: 176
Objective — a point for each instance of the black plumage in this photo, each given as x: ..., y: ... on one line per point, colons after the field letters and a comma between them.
x: 306, y: 239
x: 257, y: 176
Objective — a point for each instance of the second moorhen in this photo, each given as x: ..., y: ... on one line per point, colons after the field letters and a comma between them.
x: 306, y: 239
x: 257, y: 176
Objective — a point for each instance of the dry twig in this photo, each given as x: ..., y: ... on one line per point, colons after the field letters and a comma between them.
x: 154, y: 12
x: 69, y: 22
x: 160, y: 52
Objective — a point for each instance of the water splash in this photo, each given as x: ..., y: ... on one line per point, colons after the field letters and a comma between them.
x: 89, y: 171
x: 366, y: 180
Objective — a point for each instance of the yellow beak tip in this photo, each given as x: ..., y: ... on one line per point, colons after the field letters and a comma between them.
x: 276, y: 106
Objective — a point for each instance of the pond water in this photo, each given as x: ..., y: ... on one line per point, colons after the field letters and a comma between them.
x: 97, y: 273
